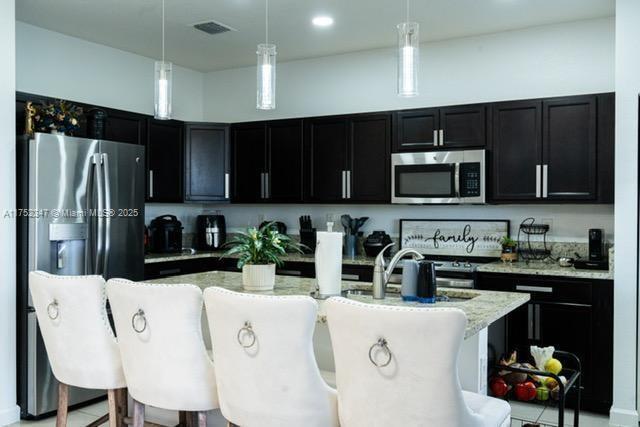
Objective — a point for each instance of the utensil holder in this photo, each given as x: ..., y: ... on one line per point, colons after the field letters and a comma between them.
x: 350, y: 244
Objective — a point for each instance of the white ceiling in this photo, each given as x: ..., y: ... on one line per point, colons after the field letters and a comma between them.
x: 134, y: 25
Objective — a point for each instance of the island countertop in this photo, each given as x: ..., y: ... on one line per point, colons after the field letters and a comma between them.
x: 481, y: 307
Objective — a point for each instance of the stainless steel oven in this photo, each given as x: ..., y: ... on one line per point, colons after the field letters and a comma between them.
x: 438, y: 177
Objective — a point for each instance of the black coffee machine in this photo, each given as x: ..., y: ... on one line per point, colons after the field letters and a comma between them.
x: 211, y: 232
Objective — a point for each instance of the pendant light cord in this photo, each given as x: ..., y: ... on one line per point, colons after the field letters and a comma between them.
x: 163, y: 32
x: 266, y: 21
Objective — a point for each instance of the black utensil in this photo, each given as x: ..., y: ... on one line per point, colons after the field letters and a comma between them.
x: 346, y: 223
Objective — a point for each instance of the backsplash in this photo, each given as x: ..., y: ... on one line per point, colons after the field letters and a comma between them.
x: 568, y: 223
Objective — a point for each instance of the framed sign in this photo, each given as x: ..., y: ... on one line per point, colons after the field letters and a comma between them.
x: 454, y: 237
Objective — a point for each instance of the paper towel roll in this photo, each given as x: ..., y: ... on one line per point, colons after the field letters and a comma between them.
x: 328, y: 259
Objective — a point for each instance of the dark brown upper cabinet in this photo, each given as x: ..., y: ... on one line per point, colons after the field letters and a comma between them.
x: 327, y: 145
x: 164, y: 161
x: 369, y: 169
x: 553, y: 150
x: 416, y: 130
x: 517, y: 150
x: 122, y: 126
x: 284, y: 172
x: 248, y: 142
x: 569, y: 138
x: 206, y: 162
x: 460, y: 126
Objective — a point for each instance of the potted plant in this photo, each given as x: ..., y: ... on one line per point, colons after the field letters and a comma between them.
x: 58, y: 117
x: 260, y: 250
x: 509, y: 249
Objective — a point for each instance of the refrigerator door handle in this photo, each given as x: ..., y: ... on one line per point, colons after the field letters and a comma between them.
x: 107, y: 214
x: 88, y: 251
x: 97, y: 159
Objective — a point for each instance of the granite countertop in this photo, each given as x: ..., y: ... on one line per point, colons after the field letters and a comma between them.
x: 481, y: 307
x: 544, y: 268
x: 293, y: 257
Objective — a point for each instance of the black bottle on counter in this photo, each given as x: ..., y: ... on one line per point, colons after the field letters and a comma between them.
x: 426, y: 286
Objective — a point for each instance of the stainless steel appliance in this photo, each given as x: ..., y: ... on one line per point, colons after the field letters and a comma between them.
x: 82, y: 212
x: 165, y: 235
x: 438, y: 177
x: 211, y: 232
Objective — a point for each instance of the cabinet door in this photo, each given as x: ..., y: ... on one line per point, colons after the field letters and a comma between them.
x: 206, y: 162
x: 517, y: 150
x: 569, y: 148
x: 416, y: 130
x: 126, y: 127
x: 248, y: 145
x: 464, y: 126
x: 284, y: 161
x: 327, y: 157
x: 370, y: 158
x: 606, y: 146
x: 164, y: 161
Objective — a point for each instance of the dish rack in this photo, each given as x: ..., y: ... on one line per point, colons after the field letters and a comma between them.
x: 532, y: 240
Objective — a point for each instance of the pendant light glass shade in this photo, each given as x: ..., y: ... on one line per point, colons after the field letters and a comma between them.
x: 266, y: 77
x: 408, y: 59
x: 162, y: 110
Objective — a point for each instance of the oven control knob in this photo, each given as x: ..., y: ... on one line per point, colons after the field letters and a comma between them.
x: 467, y: 264
x: 455, y: 264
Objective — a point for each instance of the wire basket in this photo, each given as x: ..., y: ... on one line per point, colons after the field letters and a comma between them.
x: 532, y: 240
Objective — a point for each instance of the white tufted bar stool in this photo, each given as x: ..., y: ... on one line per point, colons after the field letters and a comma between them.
x: 266, y: 370
x: 163, y: 355
x: 82, y: 350
x: 398, y: 366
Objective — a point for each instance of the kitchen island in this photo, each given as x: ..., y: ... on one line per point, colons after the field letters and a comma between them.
x: 481, y: 307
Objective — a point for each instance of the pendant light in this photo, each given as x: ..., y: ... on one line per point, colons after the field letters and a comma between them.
x: 408, y: 57
x: 162, y: 106
x: 266, y: 70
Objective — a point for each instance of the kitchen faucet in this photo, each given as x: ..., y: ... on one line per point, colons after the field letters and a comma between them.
x: 381, y: 276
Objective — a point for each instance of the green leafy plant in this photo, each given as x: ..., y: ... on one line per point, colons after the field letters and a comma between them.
x: 508, y: 242
x: 262, y: 245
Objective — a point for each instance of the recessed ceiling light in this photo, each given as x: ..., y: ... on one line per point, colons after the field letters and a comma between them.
x: 322, y: 21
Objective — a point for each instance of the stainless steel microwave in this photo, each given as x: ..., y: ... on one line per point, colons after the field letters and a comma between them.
x: 438, y: 177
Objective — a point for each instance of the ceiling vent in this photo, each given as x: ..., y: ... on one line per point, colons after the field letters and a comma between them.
x: 213, y: 27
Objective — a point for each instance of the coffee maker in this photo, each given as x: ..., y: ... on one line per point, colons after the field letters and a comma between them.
x: 211, y: 232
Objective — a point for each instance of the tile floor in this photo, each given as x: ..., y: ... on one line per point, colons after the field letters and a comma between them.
x: 82, y: 417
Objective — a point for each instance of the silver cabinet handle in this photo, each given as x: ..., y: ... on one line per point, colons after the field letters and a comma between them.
x: 435, y: 137
x: 344, y: 182
x: 267, y: 189
x: 151, y: 183
x: 348, y: 184
x: 545, y: 180
x: 530, y: 321
x: 262, y: 185
x: 543, y: 289
x: 536, y: 326
x: 457, y: 180
x: 538, y: 181
x: 441, y: 136
x: 226, y: 185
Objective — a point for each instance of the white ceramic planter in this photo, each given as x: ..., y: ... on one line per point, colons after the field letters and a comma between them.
x: 258, y: 277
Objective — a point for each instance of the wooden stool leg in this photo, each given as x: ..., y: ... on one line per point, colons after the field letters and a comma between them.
x: 202, y: 419
x: 63, y: 403
x: 138, y: 414
x: 113, y: 408
x: 122, y: 403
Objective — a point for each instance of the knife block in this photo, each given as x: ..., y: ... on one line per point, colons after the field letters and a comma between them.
x: 308, y: 238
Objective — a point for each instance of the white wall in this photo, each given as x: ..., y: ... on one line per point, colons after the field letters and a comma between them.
x: 53, y: 64
x: 624, y: 410
x: 563, y: 59
x: 9, y: 412
x: 569, y: 223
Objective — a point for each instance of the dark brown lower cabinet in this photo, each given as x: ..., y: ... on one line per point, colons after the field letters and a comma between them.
x: 574, y: 315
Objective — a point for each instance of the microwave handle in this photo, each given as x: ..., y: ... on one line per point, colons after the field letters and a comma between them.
x: 457, y: 179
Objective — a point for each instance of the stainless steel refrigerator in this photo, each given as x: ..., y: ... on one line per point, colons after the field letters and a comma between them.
x: 80, y: 211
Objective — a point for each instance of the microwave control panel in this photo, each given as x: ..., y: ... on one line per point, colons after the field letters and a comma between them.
x: 470, y: 180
